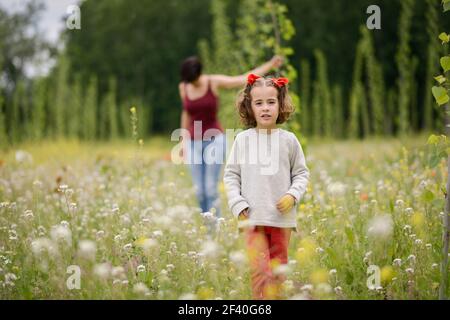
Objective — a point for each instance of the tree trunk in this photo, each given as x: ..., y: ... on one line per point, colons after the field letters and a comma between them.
x: 446, y: 222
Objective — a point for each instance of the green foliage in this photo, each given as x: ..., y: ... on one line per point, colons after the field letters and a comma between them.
x: 338, y: 111
x: 440, y: 94
x: 3, y: 133
x: 322, y: 94
x: 414, y: 89
x: 14, y: 114
x: 403, y: 59
x: 39, y: 99
x: 391, y: 103
x: 438, y: 148
x: 222, y: 39
x: 446, y: 5
x: 355, y: 93
x: 112, y: 109
x: 433, y: 50
x: 60, y: 108
x: 305, y: 93
x: 75, y: 107
x: 90, y: 110
x: 445, y: 63
x: 235, y: 36
x: 19, y: 46
x: 222, y: 59
x: 375, y: 82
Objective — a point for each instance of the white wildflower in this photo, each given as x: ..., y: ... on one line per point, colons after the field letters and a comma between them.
x: 61, y: 233
x: 300, y: 296
x: 188, y: 296
x: 307, y: 287
x: 210, y: 249
x: 336, y: 189
x: 323, y: 288
x: 10, y: 278
x: 397, y: 262
x: 102, y: 270
x: 140, y: 268
x: 412, y: 258
x: 158, y: 233
x: 381, y: 226
x: 127, y: 247
x: 140, y: 289
x: 87, y: 249
x: 238, y: 257
x: 409, y: 271
x: 41, y: 245
x: 282, y: 269
x: 23, y: 157
x: 118, y: 272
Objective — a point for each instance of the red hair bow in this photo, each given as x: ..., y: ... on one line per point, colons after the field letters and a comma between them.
x: 280, y: 82
x: 251, y: 78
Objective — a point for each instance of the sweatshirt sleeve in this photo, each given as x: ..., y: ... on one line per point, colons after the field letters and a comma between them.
x: 299, y: 171
x: 232, y: 182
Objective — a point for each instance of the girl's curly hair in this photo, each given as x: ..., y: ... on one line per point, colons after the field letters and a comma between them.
x: 244, y: 102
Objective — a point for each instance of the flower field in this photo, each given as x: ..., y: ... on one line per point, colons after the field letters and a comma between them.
x: 114, y: 221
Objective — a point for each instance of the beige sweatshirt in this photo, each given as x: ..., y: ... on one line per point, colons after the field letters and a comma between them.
x: 260, y: 169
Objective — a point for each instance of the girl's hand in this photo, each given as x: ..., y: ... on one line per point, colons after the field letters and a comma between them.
x: 286, y: 203
x: 277, y: 61
x: 243, y: 215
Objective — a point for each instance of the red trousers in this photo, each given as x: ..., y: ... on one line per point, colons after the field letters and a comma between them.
x: 267, y: 247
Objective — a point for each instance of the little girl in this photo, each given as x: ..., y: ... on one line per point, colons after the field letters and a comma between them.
x: 265, y: 199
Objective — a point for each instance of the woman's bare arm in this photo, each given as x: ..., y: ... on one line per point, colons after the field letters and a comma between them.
x: 185, y: 118
x: 228, y: 82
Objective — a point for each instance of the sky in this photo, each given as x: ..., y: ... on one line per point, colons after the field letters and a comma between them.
x: 50, y: 25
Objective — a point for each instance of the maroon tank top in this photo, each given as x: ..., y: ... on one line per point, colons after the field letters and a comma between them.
x: 202, y: 109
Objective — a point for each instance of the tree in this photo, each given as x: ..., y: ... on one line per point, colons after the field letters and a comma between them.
x: 90, y: 110
x: 355, y: 93
x: 322, y: 93
x: 38, y: 111
x: 375, y: 82
x: 338, y: 111
x: 75, y: 107
x: 441, y: 94
x: 221, y: 58
x: 112, y: 109
x: 403, y: 59
x: 15, y: 127
x: 3, y: 134
x: 19, y: 45
x: 433, y: 50
x: 305, y: 92
x: 60, y: 108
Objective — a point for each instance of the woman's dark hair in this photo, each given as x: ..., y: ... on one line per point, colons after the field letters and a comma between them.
x: 244, y: 102
x: 191, y: 69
